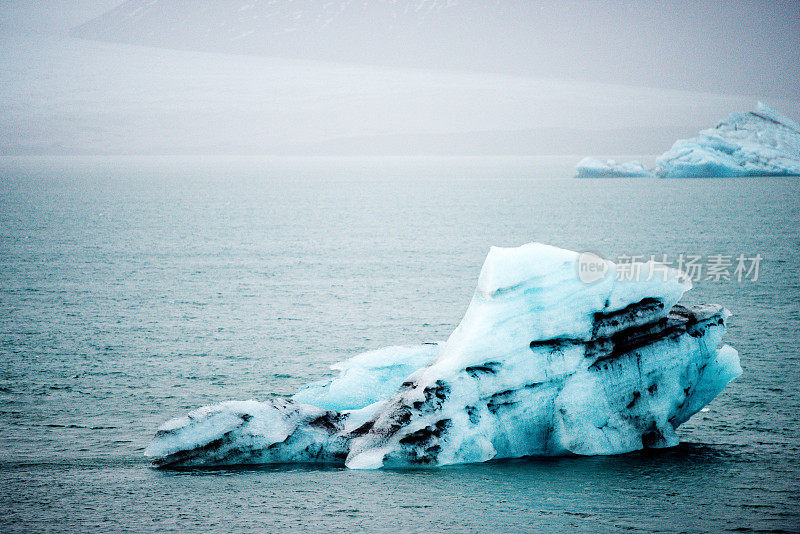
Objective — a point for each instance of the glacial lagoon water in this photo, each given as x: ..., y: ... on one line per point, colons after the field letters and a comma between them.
x: 133, y: 290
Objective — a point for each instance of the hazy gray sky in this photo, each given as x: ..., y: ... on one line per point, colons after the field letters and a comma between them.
x: 745, y: 47
x: 49, y: 16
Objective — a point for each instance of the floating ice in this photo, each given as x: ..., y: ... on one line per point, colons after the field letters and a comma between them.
x: 543, y: 363
x: 595, y: 168
x: 758, y: 143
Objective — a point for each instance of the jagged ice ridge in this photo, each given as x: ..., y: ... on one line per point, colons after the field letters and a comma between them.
x: 758, y: 143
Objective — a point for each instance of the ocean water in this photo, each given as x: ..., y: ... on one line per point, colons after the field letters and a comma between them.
x: 133, y: 290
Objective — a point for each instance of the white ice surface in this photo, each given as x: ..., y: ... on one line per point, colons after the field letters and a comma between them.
x: 210, y: 422
x: 367, y: 378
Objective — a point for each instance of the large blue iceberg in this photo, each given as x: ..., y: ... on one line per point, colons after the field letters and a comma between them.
x: 544, y: 362
x: 759, y: 143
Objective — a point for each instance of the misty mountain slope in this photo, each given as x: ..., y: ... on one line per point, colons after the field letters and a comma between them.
x: 381, y: 30
x: 83, y: 97
x: 708, y: 46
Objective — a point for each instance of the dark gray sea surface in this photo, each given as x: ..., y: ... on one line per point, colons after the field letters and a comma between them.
x: 133, y: 290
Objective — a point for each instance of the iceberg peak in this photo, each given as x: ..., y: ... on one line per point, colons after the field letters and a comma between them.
x: 766, y: 112
x: 762, y: 142
x: 505, y: 268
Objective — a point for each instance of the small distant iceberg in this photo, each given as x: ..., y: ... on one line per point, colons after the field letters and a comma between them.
x: 759, y: 143
x: 595, y: 168
x: 546, y: 362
